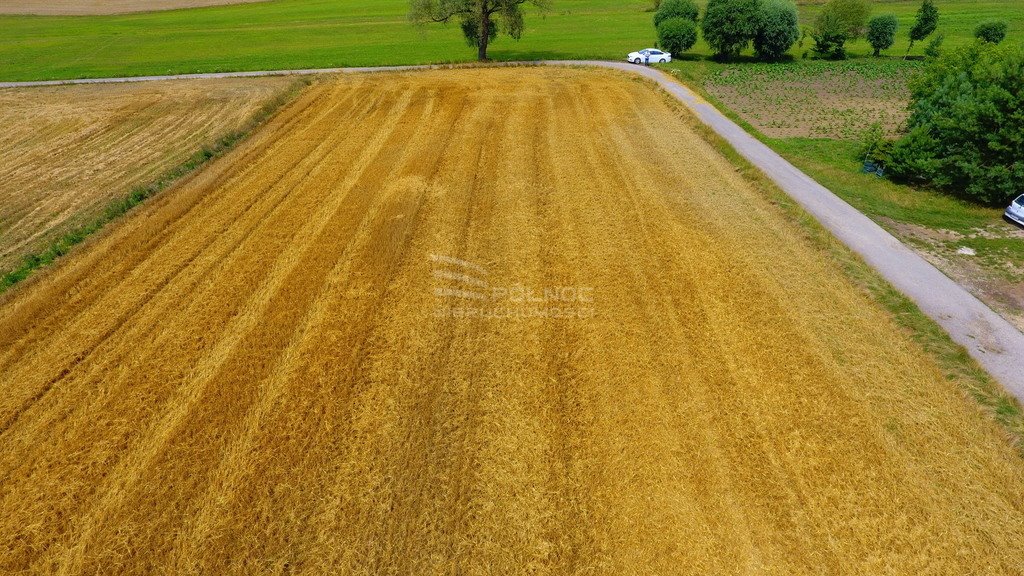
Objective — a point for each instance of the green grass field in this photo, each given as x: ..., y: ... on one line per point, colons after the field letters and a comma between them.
x: 286, y: 34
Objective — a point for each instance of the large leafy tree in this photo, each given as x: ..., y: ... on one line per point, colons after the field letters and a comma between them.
x: 677, y: 35
x: 882, y: 32
x: 730, y: 25
x: 777, y: 29
x: 480, y: 19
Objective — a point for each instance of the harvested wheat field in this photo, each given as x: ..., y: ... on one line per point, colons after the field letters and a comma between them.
x: 86, y: 7
x: 67, y: 151
x: 481, y: 321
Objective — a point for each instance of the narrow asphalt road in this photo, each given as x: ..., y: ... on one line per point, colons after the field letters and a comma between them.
x: 995, y: 343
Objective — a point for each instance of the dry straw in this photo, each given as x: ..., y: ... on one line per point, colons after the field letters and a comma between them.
x: 248, y: 376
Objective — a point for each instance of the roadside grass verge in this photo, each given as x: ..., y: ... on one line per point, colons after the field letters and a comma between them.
x: 835, y: 165
x: 117, y: 208
x: 953, y: 360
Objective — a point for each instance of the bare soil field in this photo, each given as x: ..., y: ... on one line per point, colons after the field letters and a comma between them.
x: 69, y: 150
x: 482, y: 321
x: 86, y: 7
x: 816, y: 99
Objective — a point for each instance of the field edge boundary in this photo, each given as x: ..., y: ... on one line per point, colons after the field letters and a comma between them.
x: 218, y: 146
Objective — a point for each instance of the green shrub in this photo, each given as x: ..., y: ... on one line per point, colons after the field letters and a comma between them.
x: 676, y: 9
x: 882, y: 32
x: 677, y: 35
x: 729, y: 25
x: 874, y: 145
x: 992, y: 31
x: 829, y: 36
x: 777, y: 29
x: 966, y: 130
x: 934, y: 48
x: 839, y: 21
x: 851, y: 16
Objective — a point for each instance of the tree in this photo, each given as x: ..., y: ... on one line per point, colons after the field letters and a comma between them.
x: 829, y: 35
x: 729, y: 25
x: 991, y: 31
x: 677, y: 35
x: 777, y: 29
x: 965, y: 127
x: 882, y: 32
x: 839, y: 21
x: 852, y: 16
x: 479, y: 19
x: 676, y: 9
x: 925, y: 23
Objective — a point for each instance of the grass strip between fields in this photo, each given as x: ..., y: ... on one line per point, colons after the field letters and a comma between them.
x: 951, y: 358
x: 139, y: 194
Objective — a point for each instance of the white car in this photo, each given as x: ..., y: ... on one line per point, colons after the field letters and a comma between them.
x: 1016, y: 210
x: 655, y: 55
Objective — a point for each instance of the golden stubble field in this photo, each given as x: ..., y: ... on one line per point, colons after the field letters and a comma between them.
x: 67, y: 151
x: 483, y: 321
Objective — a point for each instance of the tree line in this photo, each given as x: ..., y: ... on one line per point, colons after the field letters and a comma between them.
x: 772, y: 27
x: 729, y: 26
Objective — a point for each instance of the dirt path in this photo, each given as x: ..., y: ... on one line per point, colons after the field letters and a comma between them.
x: 430, y: 322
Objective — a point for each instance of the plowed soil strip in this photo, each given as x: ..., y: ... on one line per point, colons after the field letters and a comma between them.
x: 481, y: 321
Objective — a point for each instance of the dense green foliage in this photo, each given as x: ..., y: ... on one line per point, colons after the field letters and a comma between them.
x: 966, y: 128
x: 852, y: 15
x: 471, y: 32
x: 993, y: 31
x: 777, y: 29
x: 934, y: 47
x: 839, y: 21
x: 882, y: 32
x: 676, y: 9
x: 729, y: 25
x: 926, y: 21
x: 829, y: 36
x: 677, y: 35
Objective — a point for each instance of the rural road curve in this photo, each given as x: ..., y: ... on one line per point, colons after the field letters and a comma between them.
x: 995, y: 343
